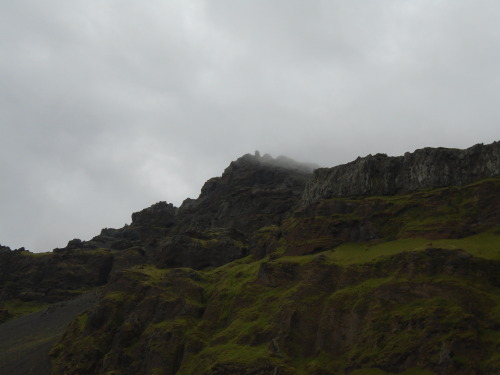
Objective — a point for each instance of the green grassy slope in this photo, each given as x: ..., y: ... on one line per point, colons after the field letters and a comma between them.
x: 416, y: 310
x: 376, y: 285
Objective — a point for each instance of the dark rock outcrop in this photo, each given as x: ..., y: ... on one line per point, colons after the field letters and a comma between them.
x: 199, y: 250
x: 161, y: 213
x: 51, y: 277
x: 253, y: 192
x: 147, y: 225
x: 425, y: 168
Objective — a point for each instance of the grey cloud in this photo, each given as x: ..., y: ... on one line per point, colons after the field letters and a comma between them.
x: 109, y: 106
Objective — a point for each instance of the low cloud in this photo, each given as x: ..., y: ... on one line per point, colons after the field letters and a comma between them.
x: 109, y: 106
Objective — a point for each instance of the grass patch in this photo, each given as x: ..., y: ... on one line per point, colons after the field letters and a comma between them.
x: 17, y: 307
x: 484, y: 245
x: 81, y: 321
x: 242, y: 355
x: 147, y: 274
x: 117, y: 296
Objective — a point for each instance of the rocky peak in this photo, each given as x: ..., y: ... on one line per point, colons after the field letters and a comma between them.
x: 4, y: 249
x: 7, y: 249
x: 253, y: 191
x: 162, y: 212
x: 425, y: 168
x: 281, y: 161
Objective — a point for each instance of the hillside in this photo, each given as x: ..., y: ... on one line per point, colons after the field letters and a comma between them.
x: 380, y: 266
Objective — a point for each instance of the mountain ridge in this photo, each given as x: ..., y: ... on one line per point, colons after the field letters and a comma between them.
x: 269, y: 272
x: 424, y: 168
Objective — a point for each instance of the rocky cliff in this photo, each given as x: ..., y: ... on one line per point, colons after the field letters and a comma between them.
x: 254, y: 191
x: 276, y: 269
x: 425, y: 168
x: 216, y: 228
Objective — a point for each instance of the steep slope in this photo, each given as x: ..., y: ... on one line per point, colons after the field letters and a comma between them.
x: 218, y: 226
x: 209, y: 231
x: 436, y: 310
x: 382, y: 266
x: 252, y: 192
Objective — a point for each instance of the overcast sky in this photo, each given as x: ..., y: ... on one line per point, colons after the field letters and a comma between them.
x: 108, y: 106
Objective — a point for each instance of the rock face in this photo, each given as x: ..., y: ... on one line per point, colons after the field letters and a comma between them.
x: 50, y: 277
x: 424, y: 168
x: 199, y: 250
x: 253, y: 192
x: 161, y: 213
x: 276, y: 270
x: 216, y: 228
x: 445, y: 213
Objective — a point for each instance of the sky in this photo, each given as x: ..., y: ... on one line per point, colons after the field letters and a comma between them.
x: 109, y: 106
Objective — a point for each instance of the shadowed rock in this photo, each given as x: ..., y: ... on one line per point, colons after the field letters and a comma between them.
x: 425, y: 168
x: 253, y: 192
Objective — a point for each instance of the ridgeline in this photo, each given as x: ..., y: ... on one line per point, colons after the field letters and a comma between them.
x: 385, y: 265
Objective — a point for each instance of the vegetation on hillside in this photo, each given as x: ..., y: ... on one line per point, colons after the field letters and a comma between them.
x: 398, y: 303
x: 249, y: 279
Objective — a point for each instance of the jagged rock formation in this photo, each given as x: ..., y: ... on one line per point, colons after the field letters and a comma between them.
x: 217, y: 227
x: 252, y: 192
x: 199, y: 250
x: 51, y: 277
x: 424, y: 168
x: 276, y: 270
x: 159, y: 214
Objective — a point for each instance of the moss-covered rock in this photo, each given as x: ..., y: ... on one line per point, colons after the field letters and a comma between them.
x: 451, y: 212
x: 435, y: 310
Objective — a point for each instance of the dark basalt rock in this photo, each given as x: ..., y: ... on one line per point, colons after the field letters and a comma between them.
x: 161, y: 213
x: 253, y: 192
x: 201, y: 250
x: 51, y: 277
x: 424, y: 168
x: 147, y: 226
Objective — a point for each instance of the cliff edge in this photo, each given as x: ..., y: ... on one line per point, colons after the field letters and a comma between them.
x: 385, y: 175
